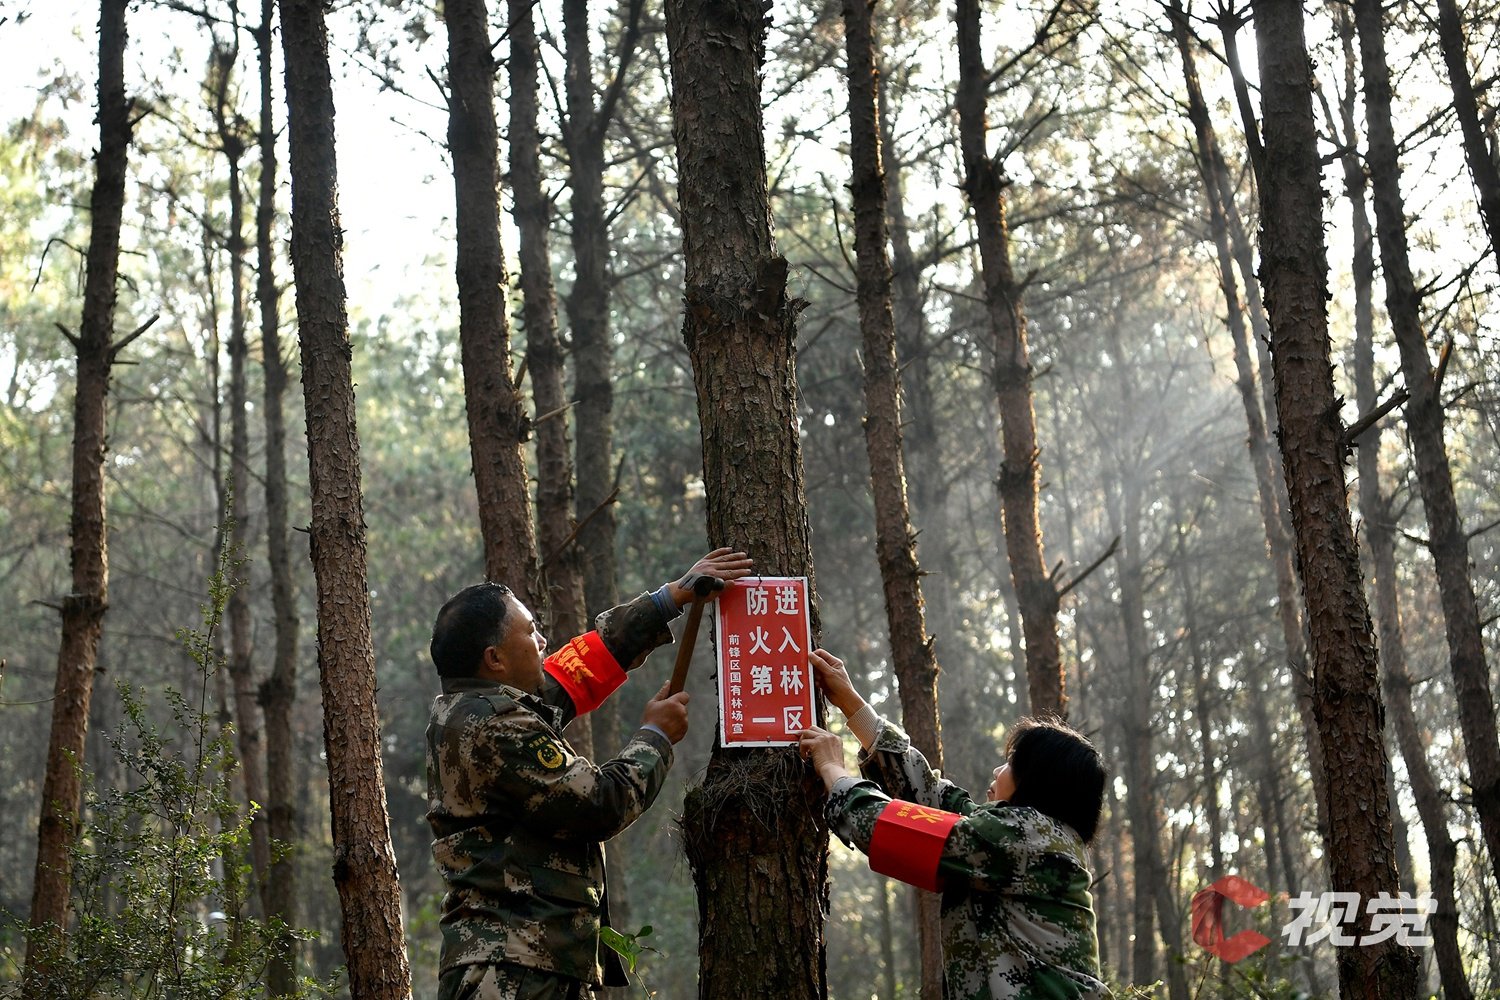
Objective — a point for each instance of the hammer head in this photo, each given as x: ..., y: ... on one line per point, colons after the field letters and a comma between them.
x: 701, y: 584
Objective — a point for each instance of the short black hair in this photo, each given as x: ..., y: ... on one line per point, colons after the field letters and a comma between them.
x: 471, y: 621
x: 1057, y: 772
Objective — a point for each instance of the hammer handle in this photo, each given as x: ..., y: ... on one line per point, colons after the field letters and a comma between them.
x: 685, y: 646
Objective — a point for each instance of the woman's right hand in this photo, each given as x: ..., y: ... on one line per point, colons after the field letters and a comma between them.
x: 834, y: 681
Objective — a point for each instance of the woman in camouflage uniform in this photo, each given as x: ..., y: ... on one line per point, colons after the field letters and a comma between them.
x: 1018, y: 920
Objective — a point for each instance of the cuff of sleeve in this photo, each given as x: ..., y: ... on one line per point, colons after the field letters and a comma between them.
x: 662, y: 596
x: 907, y: 843
x: 586, y: 670
x: 657, y: 740
x: 865, y: 725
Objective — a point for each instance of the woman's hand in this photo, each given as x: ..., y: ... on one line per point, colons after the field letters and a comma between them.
x: 825, y: 752
x: 835, y: 683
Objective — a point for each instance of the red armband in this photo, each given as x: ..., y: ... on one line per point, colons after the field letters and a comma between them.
x: 586, y: 670
x: 907, y: 843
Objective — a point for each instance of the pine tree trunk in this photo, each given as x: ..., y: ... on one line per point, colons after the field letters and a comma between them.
x: 1019, y: 466
x: 588, y: 304
x: 912, y: 654
x: 279, y: 690
x: 364, y: 864
x: 753, y: 830
x: 1379, y: 519
x: 1345, y: 671
x: 561, y: 563
x: 1482, y: 165
x: 84, y: 606
x: 1447, y: 540
x: 498, y: 426
x: 1219, y: 196
x: 247, y: 720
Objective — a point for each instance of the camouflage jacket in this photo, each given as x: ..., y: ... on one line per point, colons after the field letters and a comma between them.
x: 518, y: 818
x: 1018, y: 920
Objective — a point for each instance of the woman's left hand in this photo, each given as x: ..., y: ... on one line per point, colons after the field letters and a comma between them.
x: 825, y: 751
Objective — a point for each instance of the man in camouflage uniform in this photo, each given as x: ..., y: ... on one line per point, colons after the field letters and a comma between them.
x: 518, y: 819
x: 1017, y: 917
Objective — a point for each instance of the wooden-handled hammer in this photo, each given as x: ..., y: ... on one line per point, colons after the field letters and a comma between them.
x: 701, y: 586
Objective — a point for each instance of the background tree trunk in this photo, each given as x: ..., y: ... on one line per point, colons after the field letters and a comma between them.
x: 753, y: 829
x: 1345, y: 680
x: 912, y: 654
x: 1019, y: 466
x: 247, y: 722
x: 588, y: 302
x: 560, y: 563
x: 1466, y: 107
x: 364, y: 864
x: 279, y: 690
x: 498, y: 426
x: 1219, y: 195
x: 84, y: 606
x: 1447, y: 540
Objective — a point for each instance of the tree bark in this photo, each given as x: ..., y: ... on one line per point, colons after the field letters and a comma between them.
x: 912, y: 654
x: 279, y: 690
x: 1447, y: 540
x: 1019, y: 466
x: 498, y: 426
x: 753, y: 830
x: 560, y: 562
x: 1345, y: 674
x: 1380, y: 525
x: 364, y: 864
x: 84, y: 606
x: 1466, y: 106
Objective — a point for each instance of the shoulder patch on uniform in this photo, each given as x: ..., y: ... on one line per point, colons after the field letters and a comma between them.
x: 546, y: 751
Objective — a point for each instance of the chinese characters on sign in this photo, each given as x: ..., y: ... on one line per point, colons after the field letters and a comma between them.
x: 765, y: 682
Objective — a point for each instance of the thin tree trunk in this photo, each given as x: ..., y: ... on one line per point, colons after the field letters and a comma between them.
x: 1447, y: 540
x: 929, y: 471
x: 588, y: 301
x: 1269, y: 492
x: 247, y: 721
x: 279, y: 690
x: 364, y: 864
x: 1380, y: 527
x: 1345, y: 671
x: 84, y: 606
x: 1482, y: 165
x: 498, y: 426
x: 1019, y: 466
x: 753, y: 831
x: 587, y: 306
x: 561, y: 564
x: 912, y: 654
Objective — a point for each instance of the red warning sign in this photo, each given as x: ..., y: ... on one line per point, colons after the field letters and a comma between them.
x: 765, y: 681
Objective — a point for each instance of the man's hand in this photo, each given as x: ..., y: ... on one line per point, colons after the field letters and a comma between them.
x: 668, y: 713
x: 826, y: 753
x: 833, y: 679
x: 719, y: 566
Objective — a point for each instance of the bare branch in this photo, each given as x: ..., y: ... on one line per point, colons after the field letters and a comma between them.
x: 1089, y: 569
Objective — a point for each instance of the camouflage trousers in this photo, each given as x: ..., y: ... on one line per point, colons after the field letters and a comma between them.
x: 509, y: 982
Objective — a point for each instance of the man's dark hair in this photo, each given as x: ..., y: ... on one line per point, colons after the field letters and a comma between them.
x: 472, y: 620
x: 1057, y: 772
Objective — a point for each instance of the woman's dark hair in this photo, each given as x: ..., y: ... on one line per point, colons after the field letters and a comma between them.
x: 471, y: 621
x: 1057, y: 772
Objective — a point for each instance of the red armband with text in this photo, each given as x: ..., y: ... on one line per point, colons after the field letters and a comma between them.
x: 586, y: 670
x: 907, y: 843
